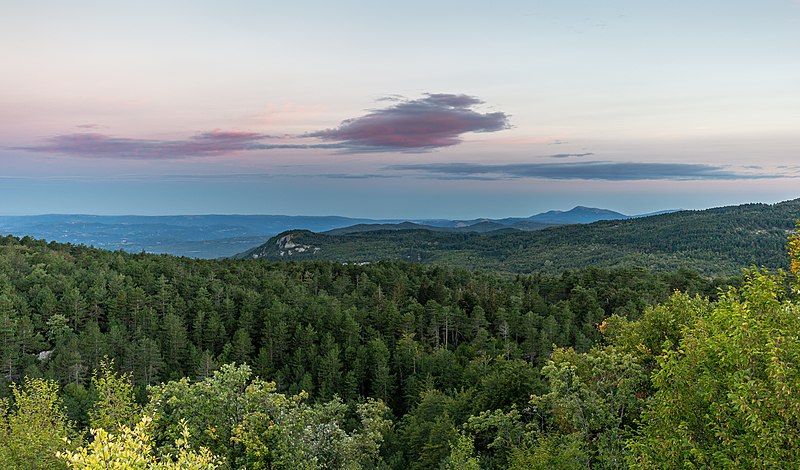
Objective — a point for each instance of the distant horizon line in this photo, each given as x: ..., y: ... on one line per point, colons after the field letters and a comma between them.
x: 409, y: 219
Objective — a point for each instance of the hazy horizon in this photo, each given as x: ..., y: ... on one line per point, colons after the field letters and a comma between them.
x: 377, y: 218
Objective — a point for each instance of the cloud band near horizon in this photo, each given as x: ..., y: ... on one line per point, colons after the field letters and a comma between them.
x: 424, y: 124
x: 590, y: 170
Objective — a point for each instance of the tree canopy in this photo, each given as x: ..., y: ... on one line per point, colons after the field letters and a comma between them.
x: 145, y: 361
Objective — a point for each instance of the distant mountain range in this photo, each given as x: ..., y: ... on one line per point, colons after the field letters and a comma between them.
x: 576, y: 215
x: 215, y: 236
x: 719, y: 241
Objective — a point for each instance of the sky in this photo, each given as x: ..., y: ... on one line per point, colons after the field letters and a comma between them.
x: 414, y: 109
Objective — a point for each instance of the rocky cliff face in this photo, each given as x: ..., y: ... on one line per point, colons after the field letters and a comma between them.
x: 287, y: 246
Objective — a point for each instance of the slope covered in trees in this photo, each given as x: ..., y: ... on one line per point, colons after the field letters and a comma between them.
x: 63, y: 308
x: 714, y: 242
x: 217, y: 236
x: 390, y: 365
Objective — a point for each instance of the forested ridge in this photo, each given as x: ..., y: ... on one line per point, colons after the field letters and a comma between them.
x: 184, y: 363
x: 715, y: 242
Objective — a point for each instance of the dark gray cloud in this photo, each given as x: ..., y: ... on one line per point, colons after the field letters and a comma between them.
x: 567, y: 155
x: 437, y: 120
x: 591, y: 170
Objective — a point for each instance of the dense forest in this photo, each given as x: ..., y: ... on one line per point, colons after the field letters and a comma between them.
x: 153, y: 361
x: 714, y: 242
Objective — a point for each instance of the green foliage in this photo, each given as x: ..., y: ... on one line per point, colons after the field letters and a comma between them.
x: 595, y: 396
x: 34, y: 428
x: 116, y: 404
x: 462, y: 455
x: 425, y: 432
x: 246, y: 421
x: 727, y: 396
x: 794, y: 250
x: 285, y: 434
x: 210, y: 409
x: 658, y: 330
x: 501, y: 383
x: 132, y: 449
x: 553, y: 451
x: 498, y: 433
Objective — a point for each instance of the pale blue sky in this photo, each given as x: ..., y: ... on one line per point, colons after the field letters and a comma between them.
x: 497, y: 109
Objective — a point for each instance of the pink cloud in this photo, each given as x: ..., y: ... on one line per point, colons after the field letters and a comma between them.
x: 211, y: 143
x: 437, y: 120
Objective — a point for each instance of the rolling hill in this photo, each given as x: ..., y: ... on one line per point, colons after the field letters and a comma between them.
x: 215, y: 236
x: 479, y: 227
x: 717, y: 241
